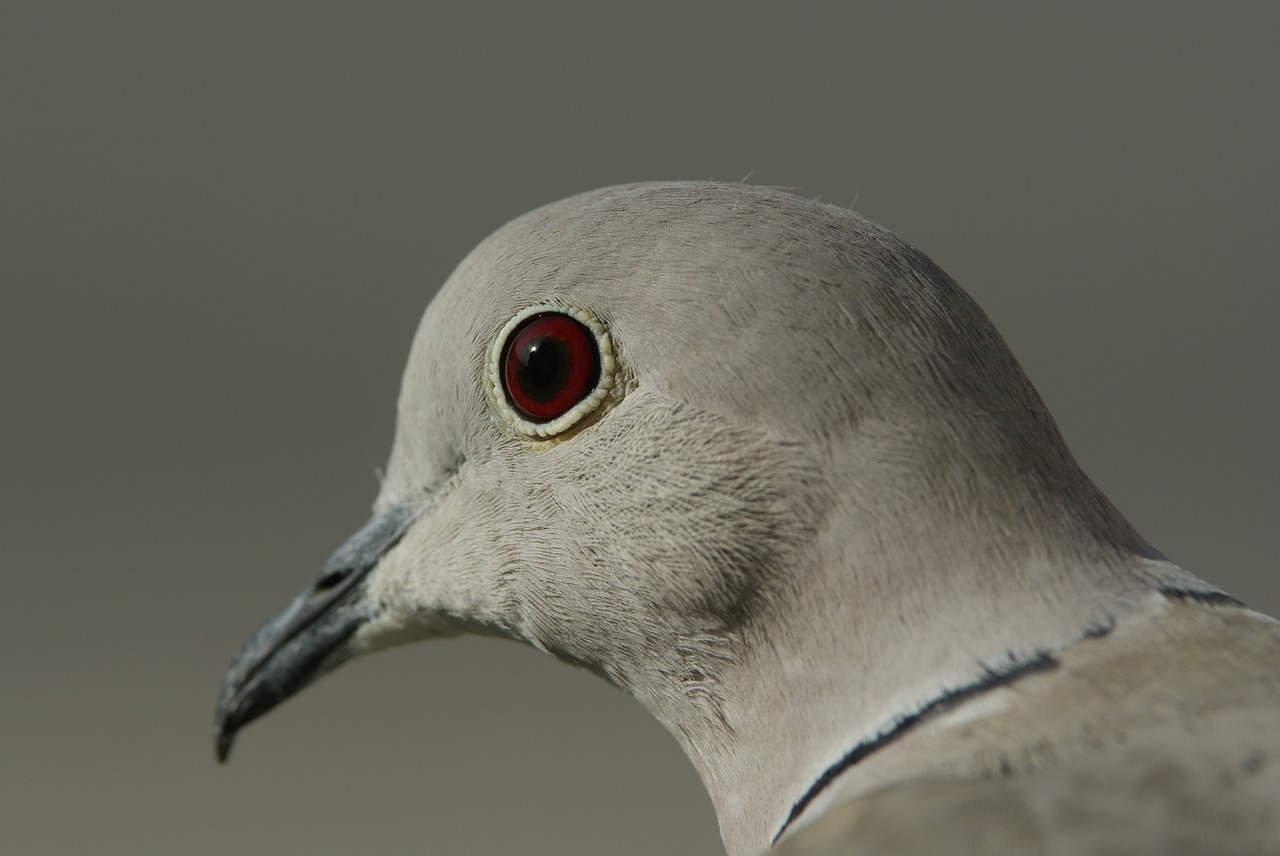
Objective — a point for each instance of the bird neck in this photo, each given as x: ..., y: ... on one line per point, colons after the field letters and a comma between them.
x: 852, y: 668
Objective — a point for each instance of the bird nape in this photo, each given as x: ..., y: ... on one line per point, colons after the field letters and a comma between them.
x: 764, y: 466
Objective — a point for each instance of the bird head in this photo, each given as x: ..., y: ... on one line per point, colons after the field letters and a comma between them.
x: 655, y: 429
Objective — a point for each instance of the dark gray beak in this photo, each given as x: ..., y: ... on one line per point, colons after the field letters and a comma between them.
x: 308, y: 637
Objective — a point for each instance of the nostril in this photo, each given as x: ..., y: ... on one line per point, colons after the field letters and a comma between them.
x: 331, y: 579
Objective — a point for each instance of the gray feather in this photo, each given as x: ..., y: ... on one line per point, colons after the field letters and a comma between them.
x: 822, y: 526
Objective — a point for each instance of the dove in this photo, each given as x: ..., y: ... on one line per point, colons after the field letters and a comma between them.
x: 765, y: 467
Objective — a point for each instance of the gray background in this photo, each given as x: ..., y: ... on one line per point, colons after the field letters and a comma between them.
x: 222, y: 221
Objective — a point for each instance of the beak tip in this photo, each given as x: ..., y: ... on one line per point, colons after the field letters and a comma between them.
x: 222, y: 742
x: 226, y: 723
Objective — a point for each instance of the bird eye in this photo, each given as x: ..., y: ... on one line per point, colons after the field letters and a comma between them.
x: 549, y: 367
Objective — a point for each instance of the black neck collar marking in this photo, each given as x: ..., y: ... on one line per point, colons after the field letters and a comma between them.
x: 1208, y: 597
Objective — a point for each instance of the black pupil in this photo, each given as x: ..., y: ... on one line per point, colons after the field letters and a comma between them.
x: 542, y: 368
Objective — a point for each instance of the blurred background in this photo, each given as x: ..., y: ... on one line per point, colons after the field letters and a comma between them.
x: 221, y: 222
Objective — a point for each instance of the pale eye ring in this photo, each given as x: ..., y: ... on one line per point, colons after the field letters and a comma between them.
x: 549, y: 367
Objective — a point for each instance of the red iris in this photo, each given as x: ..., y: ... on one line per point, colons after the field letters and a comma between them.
x: 549, y: 363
